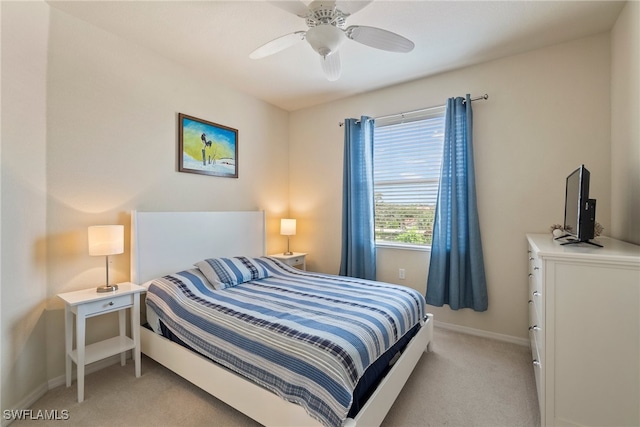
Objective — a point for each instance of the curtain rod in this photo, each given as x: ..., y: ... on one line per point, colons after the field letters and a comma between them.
x: 479, y: 98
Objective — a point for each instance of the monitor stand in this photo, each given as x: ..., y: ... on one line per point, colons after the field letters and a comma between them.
x: 562, y: 237
x: 576, y: 241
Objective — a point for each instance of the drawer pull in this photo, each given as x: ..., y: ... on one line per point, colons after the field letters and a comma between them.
x: 530, y: 274
x: 535, y: 328
x: 536, y: 294
x: 536, y: 268
x: 530, y: 258
x: 530, y: 301
x: 111, y: 303
x: 536, y: 362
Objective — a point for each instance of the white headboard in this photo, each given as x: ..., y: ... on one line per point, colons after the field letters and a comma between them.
x: 167, y: 242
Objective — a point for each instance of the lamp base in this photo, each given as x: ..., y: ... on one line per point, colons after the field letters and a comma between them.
x: 107, y: 288
x: 288, y: 253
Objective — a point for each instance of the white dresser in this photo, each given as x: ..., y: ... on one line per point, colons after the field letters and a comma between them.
x: 584, y: 325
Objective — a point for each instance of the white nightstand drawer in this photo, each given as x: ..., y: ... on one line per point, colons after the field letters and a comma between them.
x: 296, y: 261
x: 107, y: 305
x: 293, y: 260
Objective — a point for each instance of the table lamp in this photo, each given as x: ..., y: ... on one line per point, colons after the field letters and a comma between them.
x: 288, y: 228
x: 105, y: 240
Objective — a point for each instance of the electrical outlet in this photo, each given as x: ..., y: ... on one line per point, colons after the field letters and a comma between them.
x: 401, y: 273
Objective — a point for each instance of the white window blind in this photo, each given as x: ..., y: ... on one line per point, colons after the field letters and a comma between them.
x: 407, y: 159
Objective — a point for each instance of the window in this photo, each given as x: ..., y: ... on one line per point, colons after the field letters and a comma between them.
x: 407, y: 155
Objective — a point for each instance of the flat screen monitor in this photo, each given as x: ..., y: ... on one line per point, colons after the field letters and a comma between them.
x: 579, y: 209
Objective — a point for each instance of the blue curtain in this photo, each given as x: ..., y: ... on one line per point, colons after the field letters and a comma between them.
x: 358, y: 240
x: 456, y: 271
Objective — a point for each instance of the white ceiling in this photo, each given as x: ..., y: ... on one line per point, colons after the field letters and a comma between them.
x: 215, y: 38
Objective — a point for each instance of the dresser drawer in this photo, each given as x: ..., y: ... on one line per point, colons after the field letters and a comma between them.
x: 534, y: 271
x: 534, y: 318
x: 108, y: 304
x: 536, y: 355
x: 535, y: 305
x: 538, y: 367
x: 536, y: 334
x: 538, y: 371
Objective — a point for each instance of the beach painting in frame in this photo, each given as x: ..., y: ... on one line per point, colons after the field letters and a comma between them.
x: 207, y: 148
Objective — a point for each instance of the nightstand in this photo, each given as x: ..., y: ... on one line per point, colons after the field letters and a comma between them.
x: 88, y: 303
x: 297, y: 258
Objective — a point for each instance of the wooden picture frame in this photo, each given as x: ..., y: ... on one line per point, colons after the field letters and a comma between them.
x: 207, y: 148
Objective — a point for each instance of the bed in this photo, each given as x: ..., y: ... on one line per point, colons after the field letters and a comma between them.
x: 167, y: 244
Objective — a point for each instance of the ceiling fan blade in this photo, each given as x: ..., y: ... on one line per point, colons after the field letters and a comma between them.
x: 331, y: 66
x: 292, y: 6
x: 351, y: 7
x: 379, y: 38
x: 276, y: 45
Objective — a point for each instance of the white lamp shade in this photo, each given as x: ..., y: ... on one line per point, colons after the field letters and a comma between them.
x: 325, y: 38
x: 106, y: 239
x: 288, y: 227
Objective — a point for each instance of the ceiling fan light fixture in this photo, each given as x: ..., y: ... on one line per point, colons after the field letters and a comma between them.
x: 325, y: 39
x: 326, y: 20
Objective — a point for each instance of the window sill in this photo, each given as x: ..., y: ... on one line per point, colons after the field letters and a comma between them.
x: 403, y: 247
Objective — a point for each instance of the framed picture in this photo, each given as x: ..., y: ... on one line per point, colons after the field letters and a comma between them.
x: 207, y: 148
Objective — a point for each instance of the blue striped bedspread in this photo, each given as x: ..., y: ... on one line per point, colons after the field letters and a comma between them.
x: 308, y: 337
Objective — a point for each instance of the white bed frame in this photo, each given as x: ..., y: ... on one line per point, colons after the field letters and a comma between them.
x: 166, y: 242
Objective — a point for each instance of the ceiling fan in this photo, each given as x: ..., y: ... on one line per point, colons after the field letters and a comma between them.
x: 327, y: 31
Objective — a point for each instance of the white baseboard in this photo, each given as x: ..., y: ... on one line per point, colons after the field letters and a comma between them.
x: 40, y: 391
x: 481, y: 333
x: 27, y: 401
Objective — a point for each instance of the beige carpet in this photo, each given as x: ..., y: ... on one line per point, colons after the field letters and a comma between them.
x: 464, y: 381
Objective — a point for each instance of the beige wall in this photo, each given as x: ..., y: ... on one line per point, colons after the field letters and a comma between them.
x: 625, y: 125
x: 112, y: 114
x: 93, y: 135
x: 548, y: 112
x: 23, y: 193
